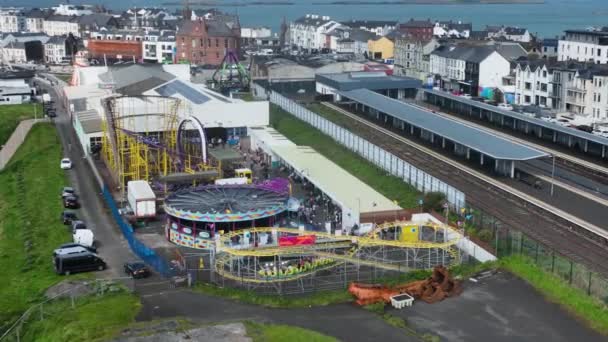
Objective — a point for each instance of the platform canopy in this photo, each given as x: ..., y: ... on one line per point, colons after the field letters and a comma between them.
x: 342, y: 187
x: 472, y: 137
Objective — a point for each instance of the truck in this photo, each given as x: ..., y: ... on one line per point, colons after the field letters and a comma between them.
x: 141, y: 199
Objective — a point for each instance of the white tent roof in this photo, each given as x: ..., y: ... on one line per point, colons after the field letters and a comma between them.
x: 338, y: 184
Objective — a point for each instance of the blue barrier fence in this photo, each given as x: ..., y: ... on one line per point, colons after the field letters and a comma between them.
x: 148, y: 255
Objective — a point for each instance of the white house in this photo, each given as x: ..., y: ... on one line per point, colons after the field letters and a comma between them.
x: 469, y: 69
x: 159, y: 47
x: 11, y: 20
x: 533, y: 83
x: 378, y: 27
x: 450, y: 29
x: 309, y: 32
x: 549, y: 47
x: 61, y: 25
x: 517, y: 34
x: 34, y: 20
x: 255, y: 32
x: 584, y: 46
x: 54, y: 50
x: 14, y: 52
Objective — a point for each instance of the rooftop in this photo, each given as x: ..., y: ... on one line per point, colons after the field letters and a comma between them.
x: 136, y: 79
x: 367, y: 80
x: 469, y: 136
x: 522, y: 117
x: 90, y: 121
x: 417, y: 24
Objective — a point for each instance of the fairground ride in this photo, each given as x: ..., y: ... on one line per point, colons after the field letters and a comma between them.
x: 230, y: 76
x: 266, y: 255
x: 143, y: 139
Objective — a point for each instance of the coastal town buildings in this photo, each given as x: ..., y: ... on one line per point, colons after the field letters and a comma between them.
x: 381, y: 48
x: 55, y: 50
x: 355, y: 41
x: 206, y: 41
x: 11, y: 20
x: 159, y: 47
x: 310, y: 32
x: 533, y: 83
x: 61, y: 25
x: 584, y: 46
x: 450, y: 29
x: 417, y: 29
x: 412, y: 57
x: 378, y: 27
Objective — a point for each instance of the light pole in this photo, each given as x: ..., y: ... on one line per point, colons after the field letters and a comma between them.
x: 553, y: 175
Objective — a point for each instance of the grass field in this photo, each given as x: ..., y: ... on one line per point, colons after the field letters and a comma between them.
x: 93, y: 319
x: 29, y: 221
x: 555, y: 289
x: 10, y: 115
x: 280, y: 333
x: 303, y: 134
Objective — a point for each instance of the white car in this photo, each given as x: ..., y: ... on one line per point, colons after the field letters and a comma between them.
x: 66, y: 164
x: 505, y: 106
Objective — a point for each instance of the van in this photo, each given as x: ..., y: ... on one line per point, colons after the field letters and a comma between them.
x: 77, y: 262
x: 69, y: 250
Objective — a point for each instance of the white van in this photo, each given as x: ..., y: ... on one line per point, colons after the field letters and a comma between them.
x: 84, y: 237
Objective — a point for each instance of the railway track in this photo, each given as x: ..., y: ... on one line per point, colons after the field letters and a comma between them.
x: 571, y: 237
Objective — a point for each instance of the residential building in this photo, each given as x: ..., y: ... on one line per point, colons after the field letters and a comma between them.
x: 96, y: 22
x: 417, y: 29
x: 381, y: 48
x: 61, y: 25
x: 14, y: 52
x: 309, y: 32
x: 583, y: 90
x: 533, y: 83
x: 549, y: 47
x: 55, y: 50
x: 469, y: 69
x: 22, y: 38
x: 34, y: 20
x: 450, y: 29
x: 73, y: 10
x: 12, y: 20
x: 516, y: 34
x: 148, y: 19
x: 206, y: 41
x: 160, y: 47
x: 584, y: 46
x: 355, y: 41
x: 412, y: 57
x: 378, y: 27
x: 255, y: 32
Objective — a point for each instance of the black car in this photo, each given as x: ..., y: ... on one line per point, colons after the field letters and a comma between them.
x: 68, y: 217
x: 78, y: 262
x: 70, y: 202
x: 72, y: 245
x: 137, y: 269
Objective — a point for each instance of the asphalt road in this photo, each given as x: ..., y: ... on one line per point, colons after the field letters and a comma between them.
x: 112, y: 247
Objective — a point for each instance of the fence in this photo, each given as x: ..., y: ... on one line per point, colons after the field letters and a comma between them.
x: 373, y: 153
x: 148, y: 255
x: 65, y: 300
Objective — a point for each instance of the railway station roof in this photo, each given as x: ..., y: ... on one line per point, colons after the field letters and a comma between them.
x: 535, y: 121
x: 469, y: 136
x: 338, y: 184
x: 367, y: 79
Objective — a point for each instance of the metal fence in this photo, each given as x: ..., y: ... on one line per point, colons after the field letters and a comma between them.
x: 148, y: 255
x: 505, y: 241
x: 373, y: 153
x: 65, y: 300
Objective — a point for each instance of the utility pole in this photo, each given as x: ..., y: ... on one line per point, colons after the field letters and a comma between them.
x: 553, y: 175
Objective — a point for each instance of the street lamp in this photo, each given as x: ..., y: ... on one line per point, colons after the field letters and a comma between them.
x: 553, y: 175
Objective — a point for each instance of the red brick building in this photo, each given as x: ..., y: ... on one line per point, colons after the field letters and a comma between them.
x: 417, y: 29
x: 206, y: 41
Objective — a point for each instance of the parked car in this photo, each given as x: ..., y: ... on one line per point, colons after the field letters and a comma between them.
x: 136, y: 269
x: 72, y: 245
x: 78, y: 225
x: 79, y: 262
x: 585, y: 128
x: 68, y: 191
x: 69, y: 250
x: 505, y: 106
x: 70, y: 202
x: 67, y: 217
x: 66, y: 164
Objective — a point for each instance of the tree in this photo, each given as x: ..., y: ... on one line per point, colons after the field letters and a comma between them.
x: 433, y: 201
x: 498, y: 96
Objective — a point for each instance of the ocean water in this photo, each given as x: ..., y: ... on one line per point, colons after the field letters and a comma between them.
x: 548, y: 19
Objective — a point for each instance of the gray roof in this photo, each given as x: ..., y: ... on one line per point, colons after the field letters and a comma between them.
x: 417, y: 24
x: 367, y: 80
x: 218, y: 28
x: 469, y: 136
x: 550, y: 42
x: 515, y: 31
x: 475, y: 54
x: 56, y: 40
x: 137, y: 78
x: 312, y: 22
x: 96, y: 20
x: 369, y: 23
x: 58, y: 17
x: 90, y: 121
x: 510, y: 51
x: 518, y: 116
x: 361, y: 35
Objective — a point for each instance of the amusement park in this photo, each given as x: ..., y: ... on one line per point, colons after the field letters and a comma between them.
x: 231, y: 201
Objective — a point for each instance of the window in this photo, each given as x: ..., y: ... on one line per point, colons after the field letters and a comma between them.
x: 528, y: 86
x: 217, y: 42
x: 201, y: 42
x: 208, y: 42
x: 544, y: 73
x: 225, y: 43
x: 527, y: 99
x: 599, y: 52
x: 217, y: 55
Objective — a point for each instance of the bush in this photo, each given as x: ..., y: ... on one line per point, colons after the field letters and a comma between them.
x: 485, y: 235
x: 433, y: 201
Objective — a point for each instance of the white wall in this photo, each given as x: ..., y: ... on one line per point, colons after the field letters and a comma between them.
x: 492, y: 70
x: 240, y: 114
x: 582, y: 52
